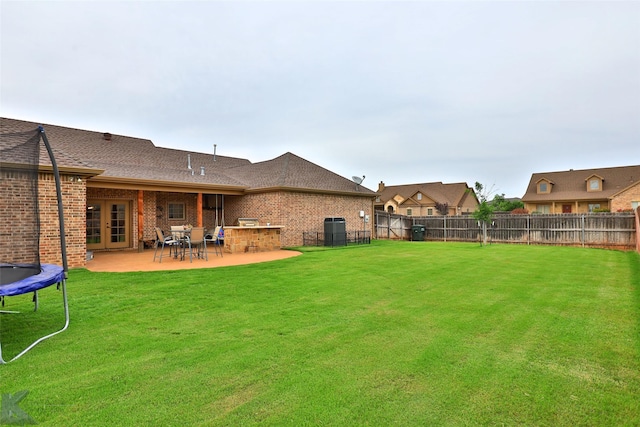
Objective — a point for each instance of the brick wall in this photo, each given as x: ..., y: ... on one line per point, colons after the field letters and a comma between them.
x: 74, y: 207
x: 162, y: 206
x: 299, y: 212
x: 14, y: 202
x: 150, y: 215
x: 296, y: 211
x: 623, y: 200
x: 18, y: 220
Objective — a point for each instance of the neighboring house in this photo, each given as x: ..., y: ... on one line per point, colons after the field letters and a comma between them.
x: 424, y: 199
x: 582, y: 191
x: 626, y: 199
x: 117, y: 189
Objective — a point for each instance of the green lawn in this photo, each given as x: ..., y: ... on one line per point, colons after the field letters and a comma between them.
x: 393, y: 333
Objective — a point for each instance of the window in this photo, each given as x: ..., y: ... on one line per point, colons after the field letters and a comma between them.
x: 543, y: 209
x: 593, y: 206
x: 594, y: 184
x: 419, y: 196
x: 544, y: 186
x: 377, y: 199
x: 430, y: 211
x: 176, y: 211
x: 409, y: 211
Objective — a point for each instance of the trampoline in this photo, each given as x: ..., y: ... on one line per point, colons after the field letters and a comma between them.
x: 20, y: 269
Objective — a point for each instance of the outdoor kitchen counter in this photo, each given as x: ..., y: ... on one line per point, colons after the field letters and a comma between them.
x: 259, y: 238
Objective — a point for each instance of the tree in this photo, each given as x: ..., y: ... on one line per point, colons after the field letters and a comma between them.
x: 442, y: 208
x: 484, y: 211
x: 500, y: 204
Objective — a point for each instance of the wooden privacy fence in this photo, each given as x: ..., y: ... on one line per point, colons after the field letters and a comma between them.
x: 637, y: 213
x: 604, y: 230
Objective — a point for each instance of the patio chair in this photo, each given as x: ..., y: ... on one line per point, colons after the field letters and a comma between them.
x: 196, y: 239
x: 162, y: 241
x: 214, y: 238
x: 177, y: 232
x: 181, y: 235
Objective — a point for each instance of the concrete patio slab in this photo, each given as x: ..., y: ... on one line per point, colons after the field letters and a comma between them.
x: 127, y: 261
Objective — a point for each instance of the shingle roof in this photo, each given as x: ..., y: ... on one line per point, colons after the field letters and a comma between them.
x: 453, y: 194
x: 572, y: 184
x: 291, y: 171
x: 122, y: 158
x: 14, y: 132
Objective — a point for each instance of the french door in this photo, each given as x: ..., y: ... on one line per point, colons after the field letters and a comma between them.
x: 108, y: 224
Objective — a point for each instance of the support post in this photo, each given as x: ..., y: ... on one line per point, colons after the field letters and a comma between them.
x: 56, y: 174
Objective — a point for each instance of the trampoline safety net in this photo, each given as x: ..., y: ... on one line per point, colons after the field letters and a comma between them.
x: 19, y: 216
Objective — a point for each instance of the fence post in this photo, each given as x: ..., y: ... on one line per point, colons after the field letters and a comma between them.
x: 445, y: 227
x: 528, y: 229
x: 583, y: 234
x: 388, y: 226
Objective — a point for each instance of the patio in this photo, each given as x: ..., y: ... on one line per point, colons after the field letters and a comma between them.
x: 127, y: 261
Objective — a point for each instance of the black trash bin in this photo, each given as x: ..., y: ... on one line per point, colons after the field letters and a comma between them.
x: 335, y: 231
x: 417, y: 233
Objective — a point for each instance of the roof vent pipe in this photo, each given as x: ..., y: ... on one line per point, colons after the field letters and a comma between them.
x: 214, y: 151
x: 202, y: 170
x: 188, y: 161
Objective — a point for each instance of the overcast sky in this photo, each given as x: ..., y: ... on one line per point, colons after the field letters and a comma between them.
x: 402, y: 92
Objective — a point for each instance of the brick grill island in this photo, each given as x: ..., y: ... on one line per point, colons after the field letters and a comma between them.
x: 259, y: 238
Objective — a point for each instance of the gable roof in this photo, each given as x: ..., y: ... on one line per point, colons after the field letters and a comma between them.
x: 453, y: 194
x: 635, y: 184
x: 289, y: 171
x: 571, y: 184
x: 116, y: 160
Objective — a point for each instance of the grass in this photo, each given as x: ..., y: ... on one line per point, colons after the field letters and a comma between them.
x: 394, y: 333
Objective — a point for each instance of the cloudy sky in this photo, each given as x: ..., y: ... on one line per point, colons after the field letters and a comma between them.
x: 399, y: 91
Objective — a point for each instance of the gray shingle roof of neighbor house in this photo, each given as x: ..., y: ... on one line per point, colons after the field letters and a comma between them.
x: 453, y: 194
x: 116, y: 158
x: 572, y: 184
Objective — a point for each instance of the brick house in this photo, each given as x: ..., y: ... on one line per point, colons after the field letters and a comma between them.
x: 424, y: 199
x: 117, y: 189
x: 581, y: 191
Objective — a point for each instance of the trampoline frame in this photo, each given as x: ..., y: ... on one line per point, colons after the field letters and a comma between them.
x: 61, y: 283
x: 60, y: 277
